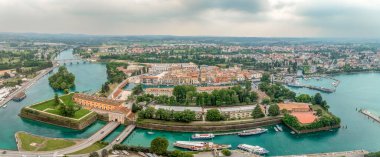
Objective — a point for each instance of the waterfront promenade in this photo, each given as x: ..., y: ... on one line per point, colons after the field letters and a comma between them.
x: 102, y: 133
x: 29, y: 83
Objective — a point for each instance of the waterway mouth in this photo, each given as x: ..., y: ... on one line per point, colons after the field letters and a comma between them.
x: 89, y: 77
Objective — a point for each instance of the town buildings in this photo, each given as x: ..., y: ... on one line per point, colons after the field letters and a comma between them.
x: 190, y: 74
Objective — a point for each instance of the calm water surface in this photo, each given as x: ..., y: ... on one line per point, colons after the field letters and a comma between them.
x: 89, y: 78
x: 355, y: 91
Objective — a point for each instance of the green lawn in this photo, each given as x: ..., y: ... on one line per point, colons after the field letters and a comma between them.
x: 42, y: 143
x: 68, y: 99
x: 94, y: 147
x: 50, y: 106
x: 324, y: 112
x: 44, y: 105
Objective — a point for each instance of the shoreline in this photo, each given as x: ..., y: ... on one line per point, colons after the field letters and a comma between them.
x: 29, y: 84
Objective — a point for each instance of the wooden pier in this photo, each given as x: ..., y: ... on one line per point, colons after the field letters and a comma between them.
x: 370, y: 115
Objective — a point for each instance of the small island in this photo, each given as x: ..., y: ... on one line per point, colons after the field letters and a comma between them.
x: 62, y: 80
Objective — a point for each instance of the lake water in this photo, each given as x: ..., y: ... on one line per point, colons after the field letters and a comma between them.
x: 89, y: 78
x: 354, y: 91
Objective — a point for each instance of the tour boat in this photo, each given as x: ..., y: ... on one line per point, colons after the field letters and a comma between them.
x: 253, y: 149
x: 279, y: 127
x: 199, y: 146
x: 252, y: 132
x: 202, y: 136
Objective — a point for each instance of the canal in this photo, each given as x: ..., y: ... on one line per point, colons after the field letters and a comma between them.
x: 354, y: 91
x: 89, y: 78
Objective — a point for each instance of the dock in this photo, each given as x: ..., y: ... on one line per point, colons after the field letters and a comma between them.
x: 370, y: 115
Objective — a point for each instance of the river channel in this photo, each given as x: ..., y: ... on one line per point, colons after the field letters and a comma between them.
x: 354, y: 91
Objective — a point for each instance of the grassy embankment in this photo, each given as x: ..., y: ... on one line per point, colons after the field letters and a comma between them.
x: 94, y: 147
x: 50, y: 106
x: 29, y: 142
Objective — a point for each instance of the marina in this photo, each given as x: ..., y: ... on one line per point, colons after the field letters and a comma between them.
x: 90, y: 77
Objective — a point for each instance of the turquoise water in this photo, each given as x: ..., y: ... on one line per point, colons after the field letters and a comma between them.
x: 354, y: 91
x: 89, y: 77
x: 114, y: 134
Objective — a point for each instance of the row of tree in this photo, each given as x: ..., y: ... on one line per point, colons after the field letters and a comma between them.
x: 316, y: 100
x: 158, y: 146
x: 167, y: 115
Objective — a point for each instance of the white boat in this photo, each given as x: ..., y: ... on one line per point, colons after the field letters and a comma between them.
x: 4, y: 106
x: 253, y: 149
x: 150, y: 133
x: 279, y: 128
x: 275, y: 128
x: 252, y: 132
x: 199, y: 146
x: 202, y: 136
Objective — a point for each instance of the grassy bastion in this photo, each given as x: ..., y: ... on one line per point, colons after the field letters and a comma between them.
x: 47, y: 112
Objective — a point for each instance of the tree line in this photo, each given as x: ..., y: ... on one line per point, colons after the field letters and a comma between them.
x: 187, y: 95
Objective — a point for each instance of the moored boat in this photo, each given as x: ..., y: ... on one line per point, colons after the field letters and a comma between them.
x: 275, y: 128
x: 252, y: 132
x: 199, y: 146
x: 279, y: 128
x: 253, y: 149
x: 202, y: 136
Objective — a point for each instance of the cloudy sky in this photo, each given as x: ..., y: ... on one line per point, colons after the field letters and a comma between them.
x: 259, y: 18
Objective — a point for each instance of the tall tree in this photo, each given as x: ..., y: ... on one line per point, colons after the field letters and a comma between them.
x: 257, y: 112
x: 159, y: 145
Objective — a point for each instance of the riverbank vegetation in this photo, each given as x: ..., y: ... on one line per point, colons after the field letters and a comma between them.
x: 175, y: 153
x: 114, y: 77
x: 167, y: 115
x: 62, y: 80
x: 29, y: 142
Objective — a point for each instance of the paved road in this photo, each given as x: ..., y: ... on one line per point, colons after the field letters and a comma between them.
x: 119, y: 86
x: 124, y: 134
x: 28, y: 84
x: 102, y: 133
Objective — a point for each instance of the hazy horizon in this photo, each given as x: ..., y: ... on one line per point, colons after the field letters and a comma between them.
x: 211, y: 18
